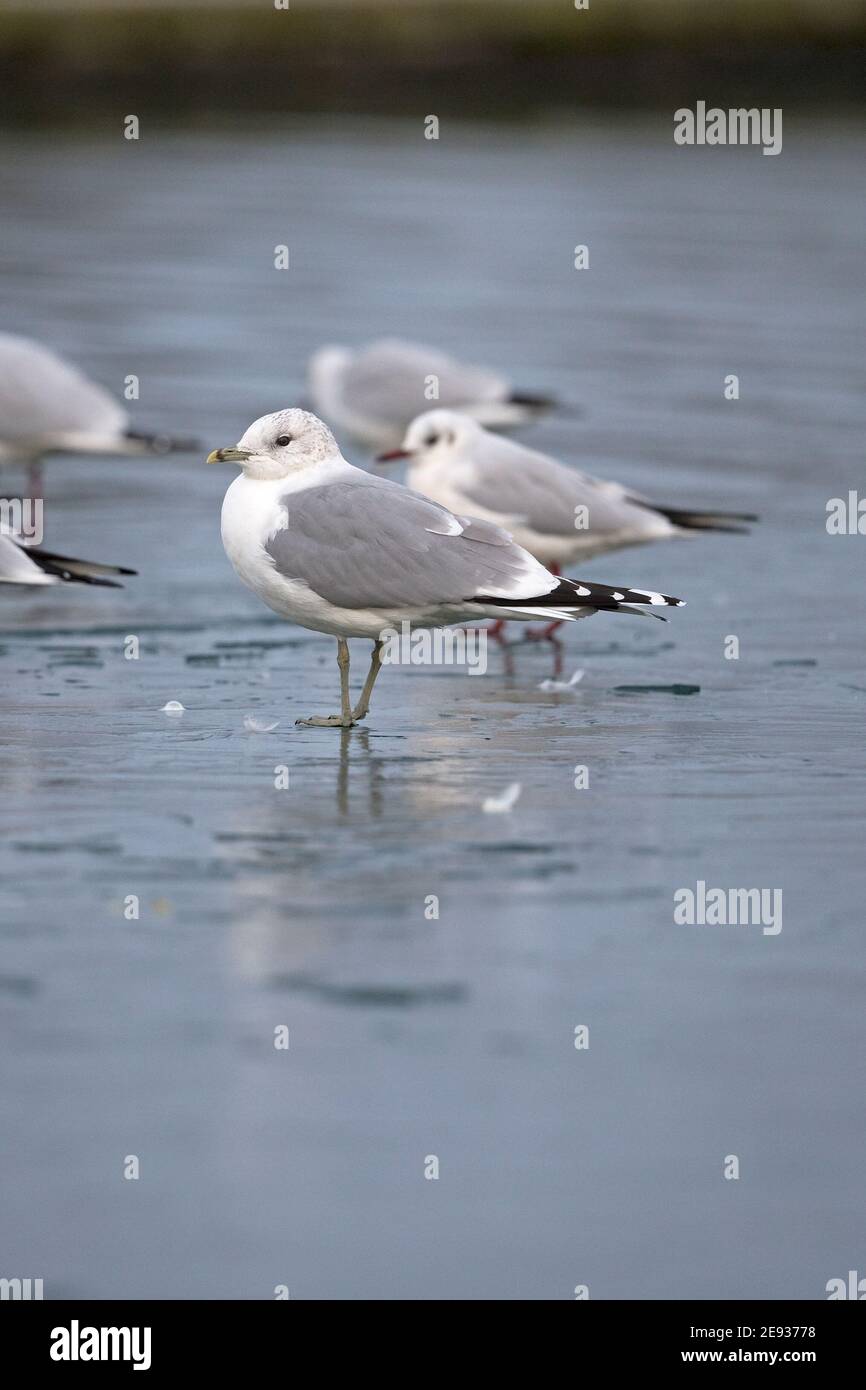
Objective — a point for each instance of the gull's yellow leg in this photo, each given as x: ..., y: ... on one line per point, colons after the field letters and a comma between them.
x: 375, y: 667
x: 345, y: 719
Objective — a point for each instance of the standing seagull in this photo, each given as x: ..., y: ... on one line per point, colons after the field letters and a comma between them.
x: 374, y: 392
x: 27, y: 564
x: 558, y: 514
x: 555, y: 512
x: 48, y: 406
x: 341, y: 551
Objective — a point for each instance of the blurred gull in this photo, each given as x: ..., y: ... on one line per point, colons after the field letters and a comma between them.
x: 21, y: 564
x: 374, y: 392
x: 456, y: 462
x: 341, y: 551
x: 48, y: 406
x: 556, y: 513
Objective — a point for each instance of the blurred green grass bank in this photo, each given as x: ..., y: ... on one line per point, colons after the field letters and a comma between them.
x: 65, y: 57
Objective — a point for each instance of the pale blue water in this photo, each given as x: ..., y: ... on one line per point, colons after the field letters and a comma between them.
x: 306, y: 907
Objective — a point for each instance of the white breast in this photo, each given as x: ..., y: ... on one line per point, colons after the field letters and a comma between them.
x: 253, y: 511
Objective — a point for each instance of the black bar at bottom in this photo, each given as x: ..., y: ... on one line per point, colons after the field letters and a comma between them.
x: 158, y: 1338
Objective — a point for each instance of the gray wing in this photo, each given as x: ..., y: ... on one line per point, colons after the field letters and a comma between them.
x: 41, y: 395
x: 524, y: 486
x: 387, y: 380
x: 371, y: 543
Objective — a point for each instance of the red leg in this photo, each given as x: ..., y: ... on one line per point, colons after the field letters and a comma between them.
x: 497, y: 631
x: 34, y: 480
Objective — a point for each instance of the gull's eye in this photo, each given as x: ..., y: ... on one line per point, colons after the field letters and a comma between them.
x: 432, y: 439
x: 284, y: 439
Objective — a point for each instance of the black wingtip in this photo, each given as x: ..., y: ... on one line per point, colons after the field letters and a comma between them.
x: 93, y: 579
x: 70, y: 577
x: 162, y: 444
x: 532, y: 400
x: 75, y: 571
x: 694, y: 520
x: 577, y: 593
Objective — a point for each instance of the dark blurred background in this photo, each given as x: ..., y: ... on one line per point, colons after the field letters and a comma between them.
x: 63, y: 59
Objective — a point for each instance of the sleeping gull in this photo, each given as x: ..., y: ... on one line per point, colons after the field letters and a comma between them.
x: 341, y: 551
x: 556, y: 513
x: 20, y: 564
x: 373, y: 393
x: 48, y: 406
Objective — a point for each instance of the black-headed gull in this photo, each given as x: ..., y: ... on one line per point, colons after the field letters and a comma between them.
x: 561, y: 516
x: 557, y: 513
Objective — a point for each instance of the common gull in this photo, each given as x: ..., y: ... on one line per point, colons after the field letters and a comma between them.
x: 344, y: 552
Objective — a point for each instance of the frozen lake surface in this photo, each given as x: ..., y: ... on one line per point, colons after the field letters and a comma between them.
x: 305, y: 907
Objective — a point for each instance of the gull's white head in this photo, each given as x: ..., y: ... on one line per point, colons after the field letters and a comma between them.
x: 279, y: 444
x: 436, y: 436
